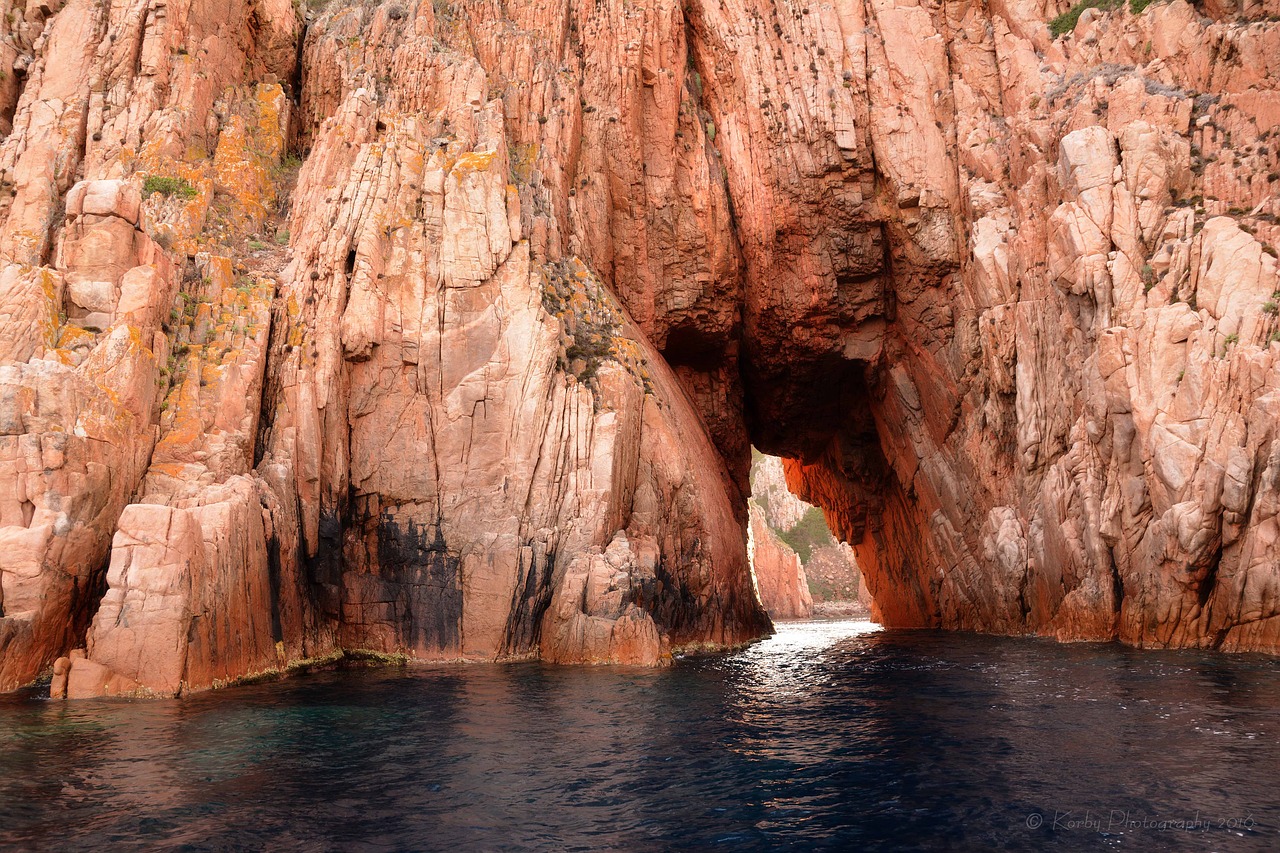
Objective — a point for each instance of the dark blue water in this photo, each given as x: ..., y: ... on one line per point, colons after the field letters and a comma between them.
x: 825, y: 737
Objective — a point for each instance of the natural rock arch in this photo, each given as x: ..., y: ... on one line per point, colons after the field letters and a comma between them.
x: 488, y: 389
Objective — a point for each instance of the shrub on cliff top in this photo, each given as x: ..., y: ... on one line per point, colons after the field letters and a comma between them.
x: 167, y: 187
x: 1066, y: 22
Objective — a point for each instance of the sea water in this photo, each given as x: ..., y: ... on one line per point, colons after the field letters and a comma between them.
x: 829, y: 735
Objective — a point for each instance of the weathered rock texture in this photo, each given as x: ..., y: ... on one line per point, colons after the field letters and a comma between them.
x: 796, y: 561
x: 769, y: 491
x: 1070, y: 421
x: 780, y: 579
x: 485, y: 387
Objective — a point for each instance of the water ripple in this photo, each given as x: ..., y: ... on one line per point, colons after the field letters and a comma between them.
x: 829, y: 735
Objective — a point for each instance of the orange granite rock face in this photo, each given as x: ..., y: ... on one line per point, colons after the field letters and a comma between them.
x: 780, y: 578
x: 1069, y: 428
x: 444, y: 327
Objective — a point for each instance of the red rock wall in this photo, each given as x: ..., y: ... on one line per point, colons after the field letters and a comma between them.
x: 1074, y: 421
x: 780, y: 578
x: 484, y: 386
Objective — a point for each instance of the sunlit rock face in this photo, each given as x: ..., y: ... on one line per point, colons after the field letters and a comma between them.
x: 800, y: 568
x: 442, y: 327
x: 1068, y: 425
x: 256, y: 410
x: 781, y: 584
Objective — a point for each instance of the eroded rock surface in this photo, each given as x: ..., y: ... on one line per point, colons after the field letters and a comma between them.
x: 443, y: 327
x: 1073, y: 420
x: 830, y: 580
x: 780, y: 578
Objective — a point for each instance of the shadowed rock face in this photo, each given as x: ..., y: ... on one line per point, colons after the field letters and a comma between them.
x: 478, y: 380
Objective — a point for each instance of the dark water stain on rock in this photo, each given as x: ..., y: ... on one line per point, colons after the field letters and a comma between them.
x: 530, y: 601
x: 420, y: 580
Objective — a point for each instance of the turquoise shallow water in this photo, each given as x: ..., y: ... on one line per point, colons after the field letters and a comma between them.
x: 827, y: 736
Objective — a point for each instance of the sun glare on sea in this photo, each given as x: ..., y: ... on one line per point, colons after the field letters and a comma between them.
x: 782, y: 666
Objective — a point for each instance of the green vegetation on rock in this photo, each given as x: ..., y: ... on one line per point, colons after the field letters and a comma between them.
x: 1066, y: 22
x: 592, y: 325
x: 590, y: 322
x: 167, y: 187
x: 810, y: 532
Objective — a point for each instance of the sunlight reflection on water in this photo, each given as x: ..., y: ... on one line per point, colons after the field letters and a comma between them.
x: 778, y: 684
x: 783, y: 666
x: 828, y: 735
x: 791, y: 638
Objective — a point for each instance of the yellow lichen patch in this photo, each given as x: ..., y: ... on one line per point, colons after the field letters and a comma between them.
x: 271, y: 130
x: 591, y: 323
x: 474, y: 161
x: 392, y: 224
x: 234, y: 191
x: 522, y: 158
x: 182, y: 425
x: 174, y: 220
x: 296, y: 331
x: 52, y: 305
x: 204, y: 314
x: 630, y: 355
x: 412, y: 162
x: 220, y: 271
x: 627, y: 349
x: 243, y: 174
x: 167, y: 469
x: 45, y: 279
x: 185, y: 429
x: 74, y: 336
x: 210, y: 373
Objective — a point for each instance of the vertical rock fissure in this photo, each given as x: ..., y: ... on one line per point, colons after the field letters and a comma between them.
x: 297, y: 80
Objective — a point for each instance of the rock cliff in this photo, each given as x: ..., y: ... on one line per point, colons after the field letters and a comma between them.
x: 444, y: 328
x: 800, y: 569
x: 781, y: 584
